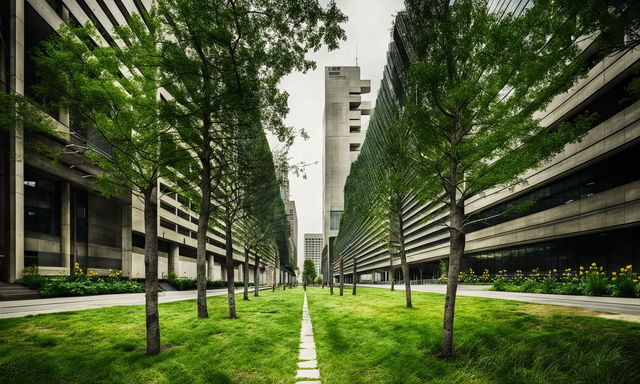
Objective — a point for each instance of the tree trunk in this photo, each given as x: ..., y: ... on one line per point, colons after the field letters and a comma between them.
x: 330, y: 277
x: 341, y: 276
x: 275, y: 273
x: 231, y: 290
x: 392, y: 278
x: 245, y: 275
x: 151, y: 272
x: 456, y: 245
x: 201, y: 238
x: 403, y: 258
x: 355, y: 275
x: 256, y: 277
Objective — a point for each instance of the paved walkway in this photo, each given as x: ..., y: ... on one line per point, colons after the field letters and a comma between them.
x: 308, y: 365
x: 19, y: 308
x: 619, y: 305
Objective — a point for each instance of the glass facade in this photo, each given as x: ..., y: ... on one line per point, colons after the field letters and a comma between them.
x: 614, y: 171
x: 610, y: 249
x: 41, y: 203
x: 334, y: 220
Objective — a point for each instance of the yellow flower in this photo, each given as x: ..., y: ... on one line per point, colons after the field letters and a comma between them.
x: 613, y: 273
x: 581, y: 272
x: 629, y: 266
x: 593, y: 264
x: 613, y: 278
x: 621, y: 269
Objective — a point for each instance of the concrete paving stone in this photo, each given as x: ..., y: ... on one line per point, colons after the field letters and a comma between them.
x: 309, y: 382
x: 309, y: 364
x: 310, y: 345
x: 306, y: 339
x: 307, y: 354
x: 308, y: 374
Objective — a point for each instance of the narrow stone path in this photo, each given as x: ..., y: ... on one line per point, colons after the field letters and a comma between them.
x: 308, y: 370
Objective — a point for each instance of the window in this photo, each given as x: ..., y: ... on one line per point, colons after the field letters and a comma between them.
x: 167, y: 224
x: 614, y: 171
x: 354, y: 147
x: 41, y: 204
x: 167, y: 207
x: 334, y: 220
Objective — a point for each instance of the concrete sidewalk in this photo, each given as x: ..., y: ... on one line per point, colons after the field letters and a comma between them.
x: 619, y: 305
x: 19, y: 308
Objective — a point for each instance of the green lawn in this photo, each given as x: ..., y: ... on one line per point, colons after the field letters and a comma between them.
x: 373, y: 338
x: 104, y: 345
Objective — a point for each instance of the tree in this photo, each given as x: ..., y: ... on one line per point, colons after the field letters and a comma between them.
x: 617, y: 21
x: 258, y: 225
x: 474, y: 84
x: 308, y: 272
x: 395, y: 188
x: 113, y: 90
x: 201, y: 71
x: 226, y: 57
x: 380, y: 184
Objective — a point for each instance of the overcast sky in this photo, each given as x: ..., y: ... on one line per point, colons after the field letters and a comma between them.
x: 369, y: 28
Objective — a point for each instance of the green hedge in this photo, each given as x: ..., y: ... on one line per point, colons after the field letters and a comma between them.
x: 191, y: 284
x: 62, y: 286
x: 78, y: 284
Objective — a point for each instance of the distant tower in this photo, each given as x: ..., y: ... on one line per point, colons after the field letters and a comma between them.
x: 343, y: 136
x: 313, y: 243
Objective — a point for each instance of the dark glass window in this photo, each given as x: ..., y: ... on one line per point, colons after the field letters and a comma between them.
x: 183, y: 231
x: 138, y: 240
x: 167, y: 207
x: 42, y: 203
x: 80, y: 219
x: 611, y: 250
x: 183, y: 214
x: 334, y: 220
x: 167, y: 224
x: 187, y: 252
x: 614, y: 171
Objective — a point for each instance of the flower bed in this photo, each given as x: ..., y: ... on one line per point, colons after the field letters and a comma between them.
x: 79, y: 283
x: 592, y: 281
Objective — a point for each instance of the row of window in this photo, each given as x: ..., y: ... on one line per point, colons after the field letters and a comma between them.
x: 612, y: 250
x: 617, y: 170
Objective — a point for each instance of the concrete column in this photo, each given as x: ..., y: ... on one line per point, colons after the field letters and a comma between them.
x: 16, y: 145
x: 174, y: 259
x: 65, y: 226
x: 126, y: 246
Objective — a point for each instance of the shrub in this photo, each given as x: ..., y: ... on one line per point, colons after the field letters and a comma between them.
x: 547, y: 285
x: 623, y: 284
x: 31, y: 278
x: 530, y: 286
x: 68, y: 286
x: 595, y: 281
x: 500, y: 284
x: 568, y: 288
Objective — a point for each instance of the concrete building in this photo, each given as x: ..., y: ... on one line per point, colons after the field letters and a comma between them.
x: 292, y: 218
x: 313, y: 243
x: 587, y: 200
x: 52, y: 215
x: 344, y: 133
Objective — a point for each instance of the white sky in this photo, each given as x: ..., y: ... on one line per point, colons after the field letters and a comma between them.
x: 369, y: 28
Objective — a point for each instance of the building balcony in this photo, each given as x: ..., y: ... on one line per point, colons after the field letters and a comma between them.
x: 365, y: 107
